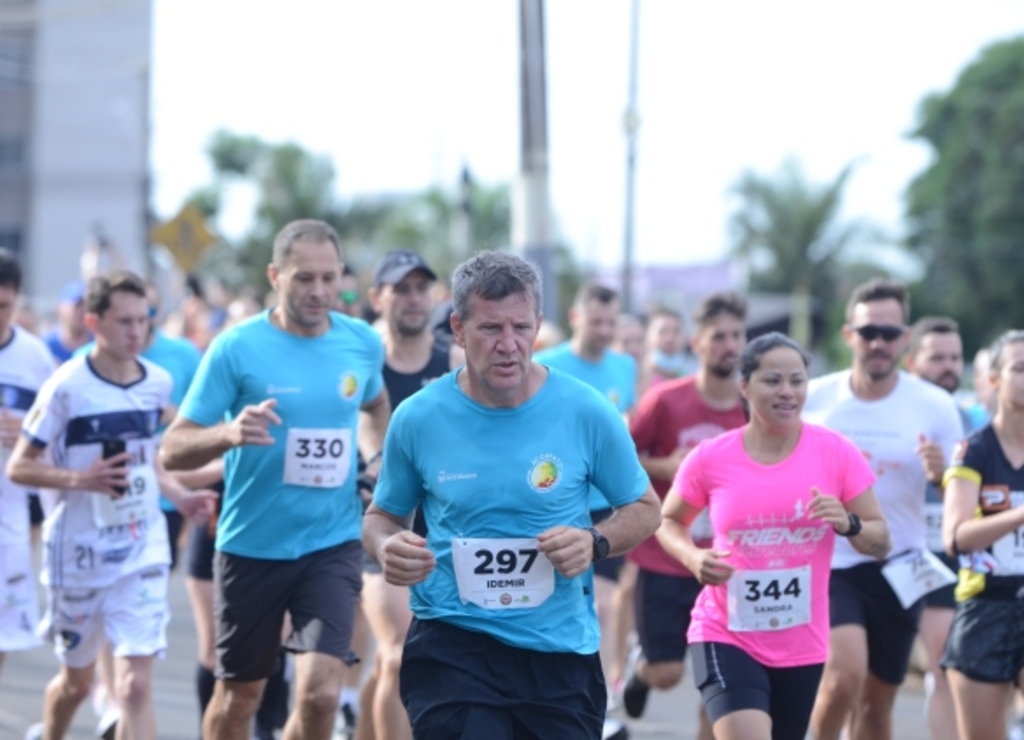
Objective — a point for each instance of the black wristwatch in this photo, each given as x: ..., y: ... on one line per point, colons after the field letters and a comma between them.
x: 601, y: 545
x: 855, y: 526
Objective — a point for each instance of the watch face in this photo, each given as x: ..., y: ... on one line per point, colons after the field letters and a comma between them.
x: 601, y: 545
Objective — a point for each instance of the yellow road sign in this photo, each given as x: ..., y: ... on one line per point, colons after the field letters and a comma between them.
x: 186, y: 237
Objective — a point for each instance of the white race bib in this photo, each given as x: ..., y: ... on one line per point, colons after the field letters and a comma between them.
x: 1009, y: 551
x: 766, y: 600
x: 507, y: 573
x: 933, y: 524
x: 139, y: 502
x: 318, y: 458
x: 914, y: 574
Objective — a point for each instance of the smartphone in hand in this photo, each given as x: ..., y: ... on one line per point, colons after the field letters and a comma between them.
x: 112, y: 447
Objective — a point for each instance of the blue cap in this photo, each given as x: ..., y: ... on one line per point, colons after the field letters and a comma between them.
x: 73, y: 292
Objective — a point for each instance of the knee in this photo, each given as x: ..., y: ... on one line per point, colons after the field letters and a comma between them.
x: 663, y: 675
x: 389, y: 661
x: 76, y: 685
x: 134, y: 690
x: 239, y: 700
x: 842, y: 684
x: 319, y: 699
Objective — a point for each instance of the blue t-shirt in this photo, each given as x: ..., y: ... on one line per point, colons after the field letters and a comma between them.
x: 613, y: 376
x: 319, y: 383
x: 481, y: 472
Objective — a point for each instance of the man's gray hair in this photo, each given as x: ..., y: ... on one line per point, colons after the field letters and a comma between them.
x: 494, y: 276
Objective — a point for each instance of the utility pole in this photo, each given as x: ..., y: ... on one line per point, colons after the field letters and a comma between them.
x: 531, y: 229
x: 631, y: 122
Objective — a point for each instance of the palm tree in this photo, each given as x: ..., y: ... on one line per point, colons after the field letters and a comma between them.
x: 788, y: 231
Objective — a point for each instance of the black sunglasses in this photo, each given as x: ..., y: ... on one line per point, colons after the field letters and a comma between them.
x: 871, y: 332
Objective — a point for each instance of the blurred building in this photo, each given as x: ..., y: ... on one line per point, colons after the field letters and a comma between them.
x: 74, y: 120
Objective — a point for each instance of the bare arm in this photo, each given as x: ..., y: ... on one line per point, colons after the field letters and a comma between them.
x: 571, y: 549
x: 373, y: 425
x: 197, y: 506
x: 402, y: 554
x: 26, y: 468
x: 707, y: 564
x: 873, y: 538
x: 187, y: 445
x: 961, y: 531
x: 203, y: 477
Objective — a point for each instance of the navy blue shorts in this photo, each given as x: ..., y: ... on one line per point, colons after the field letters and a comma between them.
x: 729, y: 680
x: 457, y: 684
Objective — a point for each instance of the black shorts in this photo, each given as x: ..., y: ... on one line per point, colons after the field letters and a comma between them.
x: 943, y: 598
x: 320, y: 591
x: 461, y: 684
x: 729, y: 680
x: 199, y: 554
x: 175, y: 522
x: 986, y: 641
x: 609, y: 567
x: 663, y: 606
x: 861, y: 595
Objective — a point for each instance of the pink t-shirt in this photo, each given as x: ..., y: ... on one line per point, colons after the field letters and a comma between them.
x: 775, y: 606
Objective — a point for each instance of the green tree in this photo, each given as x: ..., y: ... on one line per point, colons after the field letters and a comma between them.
x: 788, y: 230
x: 965, y: 211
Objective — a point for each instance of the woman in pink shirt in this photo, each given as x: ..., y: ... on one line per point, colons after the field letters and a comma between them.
x: 778, y: 492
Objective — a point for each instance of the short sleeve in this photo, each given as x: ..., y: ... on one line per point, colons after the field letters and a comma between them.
x: 48, y: 416
x: 616, y: 471
x: 375, y: 380
x: 399, y: 487
x: 214, y: 389
x: 689, y: 480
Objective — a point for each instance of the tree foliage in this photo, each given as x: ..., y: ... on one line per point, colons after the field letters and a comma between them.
x: 965, y: 211
x: 446, y: 226
x: 788, y: 230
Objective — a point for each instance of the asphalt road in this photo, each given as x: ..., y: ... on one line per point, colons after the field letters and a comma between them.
x: 670, y: 714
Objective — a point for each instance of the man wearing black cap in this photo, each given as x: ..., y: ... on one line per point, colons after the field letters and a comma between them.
x: 413, y: 357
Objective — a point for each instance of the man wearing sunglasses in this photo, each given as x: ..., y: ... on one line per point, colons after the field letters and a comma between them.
x: 907, y: 429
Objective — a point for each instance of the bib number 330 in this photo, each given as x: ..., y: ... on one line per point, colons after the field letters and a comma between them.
x: 317, y: 458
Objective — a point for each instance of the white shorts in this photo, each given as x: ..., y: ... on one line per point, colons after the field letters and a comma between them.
x: 132, y: 613
x: 19, y: 604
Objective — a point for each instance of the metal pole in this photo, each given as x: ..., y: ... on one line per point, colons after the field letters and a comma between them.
x: 631, y: 123
x: 530, y: 222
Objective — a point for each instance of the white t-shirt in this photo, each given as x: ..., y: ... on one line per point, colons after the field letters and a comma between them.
x: 88, y: 545
x: 888, y: 432
x: 25, y: 363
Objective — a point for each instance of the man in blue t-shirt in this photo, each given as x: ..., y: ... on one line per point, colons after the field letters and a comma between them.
x: 501, y: 456
x: 293, y: 382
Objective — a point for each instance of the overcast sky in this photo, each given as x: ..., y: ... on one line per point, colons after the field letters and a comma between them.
x: 401, y: 94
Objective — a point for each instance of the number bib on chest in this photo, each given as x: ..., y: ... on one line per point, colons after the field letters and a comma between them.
x: 766, y: 600
x: 502, y: 573
x: 318, y: 458
x: 914, y: 574
x: 933, y: 524
x: 138, y: 503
